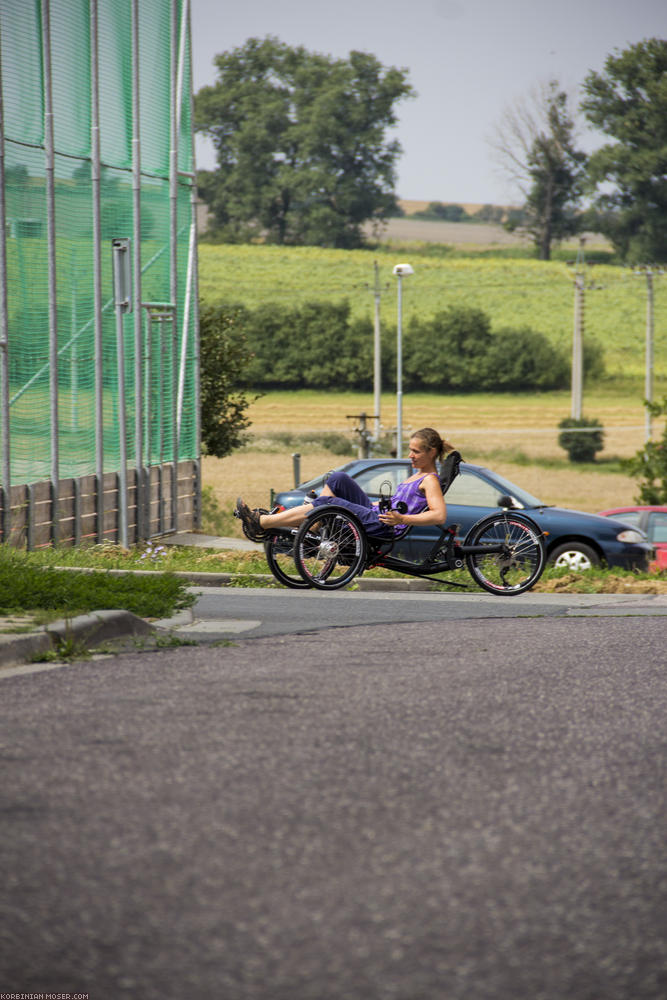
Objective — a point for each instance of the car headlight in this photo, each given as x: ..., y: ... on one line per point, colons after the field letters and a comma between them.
x: 631, y: 536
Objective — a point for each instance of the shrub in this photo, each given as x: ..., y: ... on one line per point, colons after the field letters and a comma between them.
x: 524, y: 359
x: 457, y: 350
x: 581, y: 439
x: 224, y: 360
x: 449, y: 351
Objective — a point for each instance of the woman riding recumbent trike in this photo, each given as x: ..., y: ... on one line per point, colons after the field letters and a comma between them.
x: 335, y: 537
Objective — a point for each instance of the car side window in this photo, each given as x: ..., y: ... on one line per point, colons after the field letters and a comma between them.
x: 471, y: 490
x: 371, y: 480
x: 657, y: 526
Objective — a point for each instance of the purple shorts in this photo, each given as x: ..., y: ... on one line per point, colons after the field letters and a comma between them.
x: 349, y: 495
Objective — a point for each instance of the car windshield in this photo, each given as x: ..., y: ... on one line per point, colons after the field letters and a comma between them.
x: 525, y: 498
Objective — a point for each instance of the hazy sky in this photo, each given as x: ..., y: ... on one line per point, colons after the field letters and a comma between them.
x: 467, y: 59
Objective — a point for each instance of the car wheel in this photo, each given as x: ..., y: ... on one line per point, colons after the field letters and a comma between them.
x: 575, y: 556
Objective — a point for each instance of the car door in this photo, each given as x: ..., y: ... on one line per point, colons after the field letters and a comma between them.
x: 656, y: 529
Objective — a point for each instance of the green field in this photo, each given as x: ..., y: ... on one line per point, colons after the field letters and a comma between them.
x: 513, y: 292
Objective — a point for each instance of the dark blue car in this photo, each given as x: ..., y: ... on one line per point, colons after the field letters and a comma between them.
x: 573, y: 538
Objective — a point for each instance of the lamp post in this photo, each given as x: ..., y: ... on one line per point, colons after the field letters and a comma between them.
x: 399, y: 271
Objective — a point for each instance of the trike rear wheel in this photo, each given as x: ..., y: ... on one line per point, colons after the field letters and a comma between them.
x: 330, y: 548
x: 520, y: 563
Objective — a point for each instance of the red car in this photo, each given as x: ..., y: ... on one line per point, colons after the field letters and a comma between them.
x: 652, y: 520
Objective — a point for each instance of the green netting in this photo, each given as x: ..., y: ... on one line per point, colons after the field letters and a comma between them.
x: 164, y: 387
x: 155, y: 118
x: 22, y: 65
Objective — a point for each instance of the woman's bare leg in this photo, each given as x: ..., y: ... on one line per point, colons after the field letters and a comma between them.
x: 293, y: 515
x: 289, y: 518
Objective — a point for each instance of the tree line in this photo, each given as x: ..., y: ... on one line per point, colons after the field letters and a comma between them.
x: 320, y: 345
x: 303, y: 155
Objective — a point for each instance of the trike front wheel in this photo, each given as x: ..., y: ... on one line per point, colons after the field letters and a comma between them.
x: 279, y: 551
x: 330, y: 548
x: 514, y: 567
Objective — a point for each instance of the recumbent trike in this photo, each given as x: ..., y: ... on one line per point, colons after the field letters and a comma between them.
x: 503, y: 552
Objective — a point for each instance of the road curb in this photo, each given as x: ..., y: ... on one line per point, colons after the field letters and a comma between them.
x: 201, y: 579
x: 91, y: 630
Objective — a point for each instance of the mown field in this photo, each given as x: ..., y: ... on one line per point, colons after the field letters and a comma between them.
x: 512, y: 291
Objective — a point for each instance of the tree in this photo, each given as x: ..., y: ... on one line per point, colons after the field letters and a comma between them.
x: 535, y: 143
x: 650, y: 464
x: 628, y: 102
x: 223, y: 363
x: 300, y: 143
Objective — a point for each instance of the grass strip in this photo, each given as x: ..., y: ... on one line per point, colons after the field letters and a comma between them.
x: 27, y: 585
x: 250, y: 569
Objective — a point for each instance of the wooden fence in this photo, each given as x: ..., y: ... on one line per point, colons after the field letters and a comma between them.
x: 37, y: 520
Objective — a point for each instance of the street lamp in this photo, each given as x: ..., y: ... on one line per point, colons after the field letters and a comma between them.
x: 399, y: 271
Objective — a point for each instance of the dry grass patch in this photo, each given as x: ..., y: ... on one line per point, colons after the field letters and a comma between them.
x: 571, y: 583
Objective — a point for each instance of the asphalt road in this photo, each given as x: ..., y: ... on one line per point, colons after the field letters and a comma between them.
x: 433, y: 810
x: 229, y: 611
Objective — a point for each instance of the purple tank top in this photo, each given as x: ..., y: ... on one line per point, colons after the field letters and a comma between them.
x: 411, y: 495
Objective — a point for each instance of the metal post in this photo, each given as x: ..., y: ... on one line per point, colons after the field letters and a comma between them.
x: 121, y: 270
x: 148, y: 375
x: 195, y: 295
x: 399, y: 371
x: 51, y: 250
x: 5, y: 466
x: 74, y: 359
x: 578, y: 334
x: 377, y: 361
x: 577, y: 348
x: 161, y: 500
x: 148, y: 399
x: 648, y: 385
x: 400, y: 270
x: 173, y: 250
x: 192, y: 249
x: 140, y: 477
x: 97, y: 266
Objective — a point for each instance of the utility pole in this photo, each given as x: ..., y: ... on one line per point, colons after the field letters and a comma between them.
x: 377, y: 361
x: 648, y: 384
x: 578, y: 335
x: 400, y: 270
